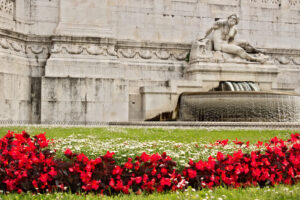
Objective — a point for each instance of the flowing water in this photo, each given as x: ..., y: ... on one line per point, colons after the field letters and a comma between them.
x: 232, y: 86
x: 239, y: 105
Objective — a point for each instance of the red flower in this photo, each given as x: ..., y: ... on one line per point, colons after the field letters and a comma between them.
x: 52, y: 172
x: 35, y: 184
x: 68, y: 152
x: 237, y: 142
x: 98, y: 161
x: 192, y: 173
x: 112, y: 183
x: 247, y: 144
x: 164, y: 171
x: 109, y: 155
x: 165, y: 182
x: 95, y: 184
x: 221, y: 142
x: 117, y: 170
x: 82, y: 158
x: 155, y: 157
x: 220, y: 156
x: 200, y: 165
x: 44, y: 178
x: 128, y: 164
x: 145, y: 157
x: 138, y: 180
x: 191, y: 162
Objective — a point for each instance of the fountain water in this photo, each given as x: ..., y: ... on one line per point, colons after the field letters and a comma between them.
x: 239, y: 101
x: 235, y: 86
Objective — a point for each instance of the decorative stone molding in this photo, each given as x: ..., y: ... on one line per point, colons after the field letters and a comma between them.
x: 7, y: 6
x: 111, y: 50
x: 164, y: 55
x: 285, y: 60
x: 12, y: 45
x: 26, y: 45
x: 84, y: 49
x: 265, y: 3
x: 37, y: 50
x: 23, y: 45
x: 120, y: 51
x: 145, y: 54
x: 127, y: 53
x: 18, y: 47
x: 95, y: 50
x: 285, y: 56
x: 294, y: 4
x: 160, y: 54
x: 224, y: 2
x: 3, y: 43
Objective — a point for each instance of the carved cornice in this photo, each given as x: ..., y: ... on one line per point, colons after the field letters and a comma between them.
x: 29, y: 45
x: 24, y: 45
x: 83, y: 49
x: 22, y: 48
x: 13, y: 45
x: 285, y: 60
x: 285, y: 56
x: 292, y: 4
x: 120, y: 49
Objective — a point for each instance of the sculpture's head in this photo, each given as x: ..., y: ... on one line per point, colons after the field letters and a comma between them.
x: 233, y: 20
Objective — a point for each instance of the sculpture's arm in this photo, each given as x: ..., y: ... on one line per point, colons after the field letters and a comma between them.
x: 216, y: 25
x: 208, y: 32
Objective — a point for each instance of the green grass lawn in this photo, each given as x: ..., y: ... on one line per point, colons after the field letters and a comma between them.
x: 180, y: 144
x: 154, y: 134
x: 280, y: 192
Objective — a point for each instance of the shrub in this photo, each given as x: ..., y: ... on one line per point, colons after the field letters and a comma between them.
x: 27, y: 164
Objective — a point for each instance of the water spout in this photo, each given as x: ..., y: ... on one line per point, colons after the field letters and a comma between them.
x: 236, y: 86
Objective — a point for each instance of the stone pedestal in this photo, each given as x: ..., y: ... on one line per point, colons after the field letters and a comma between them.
x: 210, y: 74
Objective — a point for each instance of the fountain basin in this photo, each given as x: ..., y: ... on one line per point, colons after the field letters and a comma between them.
x: 239, y: 107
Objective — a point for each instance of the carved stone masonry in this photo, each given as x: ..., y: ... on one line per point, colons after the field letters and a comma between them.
x: 121, y: 52
x: 7, y: 6
x: 265, y: 3
x: 106, y: 50
x: 294, y: 4
x: 12, y: 45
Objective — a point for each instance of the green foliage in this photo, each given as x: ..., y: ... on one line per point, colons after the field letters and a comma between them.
x: 184, y: 136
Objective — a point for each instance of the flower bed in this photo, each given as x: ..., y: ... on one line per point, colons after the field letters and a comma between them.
x: 27, y: 164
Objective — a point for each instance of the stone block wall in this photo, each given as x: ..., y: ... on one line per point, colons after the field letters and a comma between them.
x: 181, y: 21
x: 83, y: 100
x: 19, y: 94
x: 85, y: 61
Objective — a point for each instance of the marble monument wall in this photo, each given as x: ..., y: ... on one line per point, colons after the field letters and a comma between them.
x: 81, y: 60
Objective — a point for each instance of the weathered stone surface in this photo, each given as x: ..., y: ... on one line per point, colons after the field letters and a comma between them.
x: 83, y: 100
x: 69, y: 49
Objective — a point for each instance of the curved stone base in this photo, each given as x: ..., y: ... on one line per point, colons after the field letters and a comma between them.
x: 239, y: 106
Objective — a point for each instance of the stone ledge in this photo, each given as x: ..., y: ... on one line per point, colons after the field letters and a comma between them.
x: 175, y: 125
x: 232, y: 67
x: 286, y: 125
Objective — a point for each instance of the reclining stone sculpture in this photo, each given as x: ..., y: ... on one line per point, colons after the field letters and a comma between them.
x: 223, y: 40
